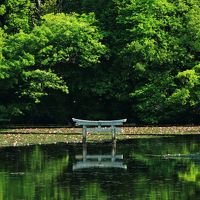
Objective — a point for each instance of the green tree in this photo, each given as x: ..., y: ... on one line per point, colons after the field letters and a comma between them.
x: 28, y: 65
x: 17, y: 15
x: 158, y: 45
x: 186, y: 97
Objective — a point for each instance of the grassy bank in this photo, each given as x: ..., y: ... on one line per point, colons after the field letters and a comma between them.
x: 29, y: 136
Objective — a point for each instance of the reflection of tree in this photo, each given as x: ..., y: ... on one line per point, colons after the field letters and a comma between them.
x: 149, y: 176
x: 93, y: 191
x: 3, y: 188
x: 161, y: 146
x: 152, y: 152
x: 46, y: 173
x: 156, y: 169
x: 192, y: 174
x: 36, y: 182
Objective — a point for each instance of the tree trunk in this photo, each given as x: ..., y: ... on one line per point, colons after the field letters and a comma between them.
x: 38, y: 2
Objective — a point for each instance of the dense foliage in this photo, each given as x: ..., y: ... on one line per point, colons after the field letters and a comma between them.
x: 100, y: 59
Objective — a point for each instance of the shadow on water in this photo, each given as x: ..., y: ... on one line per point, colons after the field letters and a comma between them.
x: 138, y: 169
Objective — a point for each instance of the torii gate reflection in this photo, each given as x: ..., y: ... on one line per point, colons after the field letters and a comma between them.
x: 112, y: 160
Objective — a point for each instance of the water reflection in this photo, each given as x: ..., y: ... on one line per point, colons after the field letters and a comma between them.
x: 29, y: 173
x: 111, y: 160
x: 46, y: 172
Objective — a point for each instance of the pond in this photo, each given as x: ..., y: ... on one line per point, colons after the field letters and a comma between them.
x: 152, y: 168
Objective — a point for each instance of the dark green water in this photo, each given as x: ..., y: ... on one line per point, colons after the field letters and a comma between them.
x: 155, y: 171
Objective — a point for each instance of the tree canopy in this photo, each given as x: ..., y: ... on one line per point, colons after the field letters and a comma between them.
x: 100, y: 59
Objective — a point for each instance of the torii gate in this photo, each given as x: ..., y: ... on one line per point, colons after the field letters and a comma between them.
x: 99, y: 126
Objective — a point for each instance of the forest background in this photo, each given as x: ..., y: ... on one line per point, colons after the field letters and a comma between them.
x: 100, y: 59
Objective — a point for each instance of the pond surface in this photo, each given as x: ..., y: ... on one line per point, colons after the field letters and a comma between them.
x: 154, y: 168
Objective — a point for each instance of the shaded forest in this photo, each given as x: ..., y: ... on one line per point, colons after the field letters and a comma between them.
x: 100, y: 59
